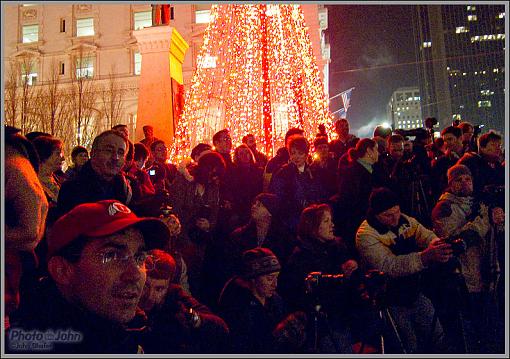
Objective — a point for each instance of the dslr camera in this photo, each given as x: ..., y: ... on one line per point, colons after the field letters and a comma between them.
x: 457, y: 243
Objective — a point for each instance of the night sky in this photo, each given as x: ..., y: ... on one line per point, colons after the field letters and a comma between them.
x: 365, y: 36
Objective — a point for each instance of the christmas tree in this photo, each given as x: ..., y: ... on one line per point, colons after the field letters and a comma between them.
x: 256, y: 73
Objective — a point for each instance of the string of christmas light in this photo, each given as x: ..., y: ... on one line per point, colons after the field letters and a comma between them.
x: 256, y: 73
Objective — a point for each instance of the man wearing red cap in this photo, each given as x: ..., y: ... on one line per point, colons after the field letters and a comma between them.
x: 96, y: 265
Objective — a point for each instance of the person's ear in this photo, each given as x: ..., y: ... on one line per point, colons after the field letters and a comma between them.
x: 60, y: 270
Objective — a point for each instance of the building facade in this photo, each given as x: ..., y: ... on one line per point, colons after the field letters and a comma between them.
x: 461, y: 63
x: 95, y: 42
x: 404, y: 108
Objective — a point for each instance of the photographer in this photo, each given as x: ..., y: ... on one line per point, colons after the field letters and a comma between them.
x: 402, y: 248
x: 459, y: 215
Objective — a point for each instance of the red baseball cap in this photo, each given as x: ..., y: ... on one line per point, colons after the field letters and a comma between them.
x: 102, y: 219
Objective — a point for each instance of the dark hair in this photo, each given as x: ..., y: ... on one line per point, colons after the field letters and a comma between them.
x: 456, y: 131
x: 293, y: 131
x: 382, y: 131
x: 339, y: 121
x: 245, y: 138
x: 119, y: 126
x: 484, y: 139
x: 72, y: 251
x: 77, y: 150
x: 361, y: 148
x: 310, y: 220
x: 438, y: 142
x: 198, y: 149
x: 320, y: 140
x: 45, y: 146
x: 34, y: 134
x: 236, y: 154
x: 141, y: 151
x: 131, y: 152
x: 395, y: 138
x: 207, y: 163
x: 465, y: 127
x: 147, y: 127
x: 161, y: 265
x: 299, y: 142
x: 155, y: 143
x: 15, y: 140
x: 99, y: 137
x: 218, y: 134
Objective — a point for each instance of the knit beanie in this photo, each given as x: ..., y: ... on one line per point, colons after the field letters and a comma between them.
x: 457, y: 171
x: 160, y: 265
x: 382, y: 199
x: 259, y: 261
x: 270, y: 201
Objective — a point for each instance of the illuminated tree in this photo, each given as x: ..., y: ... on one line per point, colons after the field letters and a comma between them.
x: 256, y: 73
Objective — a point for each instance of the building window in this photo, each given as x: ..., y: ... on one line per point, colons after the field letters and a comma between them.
x: 142, y: 19
x: 471, y: 8
x: 29, y: 76
x: 427, y: 44
x: 85, y: 67
x: 61, y: 68
x: 501, y: 15
x: 461, y: 29
x: 85, y: 27
x: 485, y: 103
x: 30, y: 33
x: 472, y: 18
x: 138, y: 63
x: 202, y: 16
x: 62, y: 25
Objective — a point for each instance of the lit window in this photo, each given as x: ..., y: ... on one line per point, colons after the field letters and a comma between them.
x: 85, y: 27
x: 427, y: 44
x: 472, y: 18
x: 138, y: 63
x: 464, y: 74
x: 501, y: 15
x: 85, y: 67
x: 143, y: 19
x: 29, y: 76
x: 495, y: 70
x: 485, y: 103
x: 472, y: 8
x: 461, y: 29
x: 30, y: 33
x: 202, y: 16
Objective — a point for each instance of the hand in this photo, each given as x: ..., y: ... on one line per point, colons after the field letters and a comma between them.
x: 203, y: 224
x: 437, y: 252
x: 173, y: 224
x: 188, y: 317
x: 349, y: 266
x: 498, y: 216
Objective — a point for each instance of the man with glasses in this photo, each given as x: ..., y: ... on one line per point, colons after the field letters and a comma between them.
x: 101, y: 177
x: 96, y: 264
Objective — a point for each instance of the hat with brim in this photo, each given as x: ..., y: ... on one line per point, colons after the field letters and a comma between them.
x: 101, y: 219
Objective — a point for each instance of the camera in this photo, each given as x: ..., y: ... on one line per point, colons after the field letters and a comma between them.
x: 458, y: 245
x: 152, y: 172
x: 477, y: 129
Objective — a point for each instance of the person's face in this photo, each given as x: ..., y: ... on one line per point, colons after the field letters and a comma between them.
x: 107, y: 287
x: 390, y: 217
x: 408, y: 146
x: 259, y: 211
x: 154, y: 293
x: 109, y: 156
x: 297, y: 157
x: 323, y: 150
x: 244, y: 156
x: 326, y: 227
x: 140, y: 164
x: 396, y: 150
x: 160, y: 153
x: 462, y: 186
x: 342, y: 128
x: 492, y: 150
x: 148, y: 132
x: 123, y: 130
x: 55, y: 161
x: 250, y: 142
x: 373, y: 154
x: 81, y: 158
x: 452, y: 143
x: 265, y: 285
x: 224, y: 143
x: 466, y: 136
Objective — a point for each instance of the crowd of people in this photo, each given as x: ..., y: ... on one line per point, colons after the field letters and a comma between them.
x: 390, y: 244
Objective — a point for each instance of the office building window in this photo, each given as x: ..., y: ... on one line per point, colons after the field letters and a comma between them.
x: 427, y: 44
x: 202, y: 16
x: 472, y: 18
x: 85, y: 27
x: 62, y: 68
x: 485, y: 103
x: 461, y: 29
x: 501, y: 15
x: 30, y: 33
x: 138, y: 63
x: 142, y: 19
x: 85, y: 67
x: 29, y: 73
x: 62, y: 25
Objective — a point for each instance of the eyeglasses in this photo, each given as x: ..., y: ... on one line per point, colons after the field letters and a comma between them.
x: 118, y: 258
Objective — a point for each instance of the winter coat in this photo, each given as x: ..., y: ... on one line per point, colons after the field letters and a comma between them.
x: 88, y: 186
x: 45, y: 310
x: 484, y: 172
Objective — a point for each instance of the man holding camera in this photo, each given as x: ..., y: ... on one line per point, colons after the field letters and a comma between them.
x: 458, y: 215
x: 402, y: 248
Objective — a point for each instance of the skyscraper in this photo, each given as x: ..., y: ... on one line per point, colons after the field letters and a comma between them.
x: 460, y: 51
